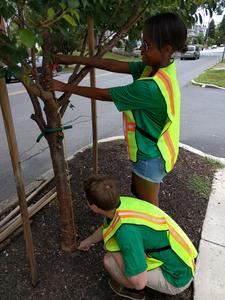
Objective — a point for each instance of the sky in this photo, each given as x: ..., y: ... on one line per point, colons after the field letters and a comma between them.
x: 206, y: 19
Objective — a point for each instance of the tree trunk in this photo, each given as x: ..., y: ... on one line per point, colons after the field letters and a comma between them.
x: 68, y: 233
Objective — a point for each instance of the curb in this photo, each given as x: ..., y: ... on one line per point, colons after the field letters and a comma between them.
x: 12, y: 201
x: 206, y: 85
x: 203, y: 154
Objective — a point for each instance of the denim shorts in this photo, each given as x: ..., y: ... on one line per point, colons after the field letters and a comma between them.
x: 152, y: 169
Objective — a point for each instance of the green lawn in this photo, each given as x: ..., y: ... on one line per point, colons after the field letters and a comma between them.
x: 111, y: 55
x: 213, y: 76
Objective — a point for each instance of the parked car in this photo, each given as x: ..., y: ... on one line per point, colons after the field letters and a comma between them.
x: 118, y: 50
x: 136, y: 51
x: 191, y: 53
x: 9, y: 77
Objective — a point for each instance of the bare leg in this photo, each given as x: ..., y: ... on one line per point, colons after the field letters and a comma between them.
x: 145, y: 190
x: 113, y: 263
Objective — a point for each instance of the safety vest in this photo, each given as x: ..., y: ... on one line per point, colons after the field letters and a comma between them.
x: 168, y: 141
x: 138, y: 212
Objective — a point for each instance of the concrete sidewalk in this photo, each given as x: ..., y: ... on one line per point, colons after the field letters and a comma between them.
x: 209, y: 281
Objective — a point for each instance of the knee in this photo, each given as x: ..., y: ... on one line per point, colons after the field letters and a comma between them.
x: 107, y: 260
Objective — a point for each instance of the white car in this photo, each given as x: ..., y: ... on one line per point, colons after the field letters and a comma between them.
x: 191, y: 53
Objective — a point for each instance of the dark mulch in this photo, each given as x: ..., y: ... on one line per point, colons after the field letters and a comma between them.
x: 80, y: 275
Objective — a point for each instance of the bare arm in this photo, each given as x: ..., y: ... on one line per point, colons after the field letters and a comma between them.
x: 137, y: 282
x: 100, y: 63
x: 89, y: 92
x: 92, y: 239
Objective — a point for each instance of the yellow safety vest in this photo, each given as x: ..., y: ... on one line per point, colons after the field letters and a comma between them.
x: 138, y: 212
x: 168, y: 142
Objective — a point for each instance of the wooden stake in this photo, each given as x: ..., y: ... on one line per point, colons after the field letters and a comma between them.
x: 17, y: 208
x: 33, y: 209
x: 13, y: 149
x: 91, y: 45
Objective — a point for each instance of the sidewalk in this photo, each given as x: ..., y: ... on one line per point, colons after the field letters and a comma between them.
x: 209, y: 282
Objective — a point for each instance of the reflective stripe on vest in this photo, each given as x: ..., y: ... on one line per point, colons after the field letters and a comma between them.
x: 144, y: 213
x: 168, y: 142
x: 168, y: 84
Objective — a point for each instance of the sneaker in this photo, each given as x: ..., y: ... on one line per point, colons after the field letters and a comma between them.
x: 125, y: 292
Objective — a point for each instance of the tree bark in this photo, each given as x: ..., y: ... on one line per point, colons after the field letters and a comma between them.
x: 68, y: 232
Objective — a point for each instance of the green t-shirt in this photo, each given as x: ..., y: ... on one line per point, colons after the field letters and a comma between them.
x: 133, y: 240
x: 148, y: 105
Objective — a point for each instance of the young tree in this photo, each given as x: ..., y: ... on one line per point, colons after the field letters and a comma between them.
x: 32, y: 23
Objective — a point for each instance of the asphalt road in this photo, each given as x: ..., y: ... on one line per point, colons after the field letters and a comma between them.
x: 202, y: 121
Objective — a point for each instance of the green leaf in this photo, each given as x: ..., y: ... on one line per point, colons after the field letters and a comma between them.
x: 51, y: 13
x: 2, y: 72
x: 74, y: 13
x: 62, y: 5
x: 39, y: 40
x: 7, y: 10
x: 70, y: 20
x: 27, y: 37
x: 85, y: 3
x: 16, y: 71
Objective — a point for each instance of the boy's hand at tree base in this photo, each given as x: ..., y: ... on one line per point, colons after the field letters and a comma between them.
x: 85, y: 245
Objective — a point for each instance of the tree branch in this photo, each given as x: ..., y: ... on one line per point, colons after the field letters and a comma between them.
x: 63, y: 101
x: 38, y: 115
x: 138, y: 10
x: 114, y: 12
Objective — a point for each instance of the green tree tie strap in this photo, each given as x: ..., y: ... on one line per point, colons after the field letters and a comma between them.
x: 52, y: 130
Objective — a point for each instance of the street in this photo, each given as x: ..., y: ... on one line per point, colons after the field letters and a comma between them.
x: 202, y: 120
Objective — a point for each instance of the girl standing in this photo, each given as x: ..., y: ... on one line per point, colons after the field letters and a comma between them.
x: 150, y: 105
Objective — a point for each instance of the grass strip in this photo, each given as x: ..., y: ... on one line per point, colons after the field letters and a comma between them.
x: 215, y: 75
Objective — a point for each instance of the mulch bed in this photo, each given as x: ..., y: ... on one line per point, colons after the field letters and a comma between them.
x: 80, y: 275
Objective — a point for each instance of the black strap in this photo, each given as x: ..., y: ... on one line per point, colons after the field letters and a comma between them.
x: 150, y: 251
x: 146, y: 134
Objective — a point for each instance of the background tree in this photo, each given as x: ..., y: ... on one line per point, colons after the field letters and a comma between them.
x: 211, y: 29
x: 200, y: 38
x: 220, y: 33
x: 222, y: 25
x: 32, y: 23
